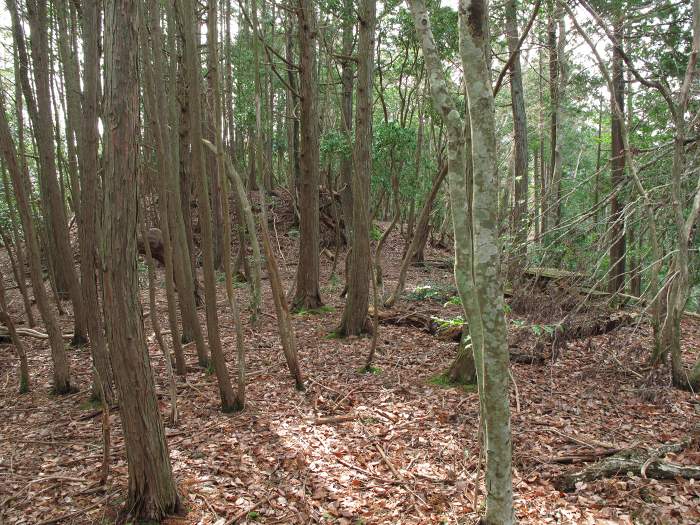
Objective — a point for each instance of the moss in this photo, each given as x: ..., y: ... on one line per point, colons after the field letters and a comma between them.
x: 315, y: 311
x: 443, y: 381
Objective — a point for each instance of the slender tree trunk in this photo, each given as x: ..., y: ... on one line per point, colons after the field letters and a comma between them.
x: 476, y: 236
x: 520, y: 148
x: 61, y: 365
x: 420, y: 234
x: 89, y: 180
x: 228, y: 396
x: 616, y: 278
x: 218, y: 173
x: 185, y: 272
x: 152, y: 492
x: 354, y: 319
x: 346, y: 79
x: 157, y: 112
x: 60, y: 254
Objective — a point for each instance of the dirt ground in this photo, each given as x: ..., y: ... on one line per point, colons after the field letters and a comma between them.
x: 403, y: 449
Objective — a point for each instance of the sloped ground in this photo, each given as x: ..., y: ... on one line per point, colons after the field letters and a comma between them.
x: 403, y: 448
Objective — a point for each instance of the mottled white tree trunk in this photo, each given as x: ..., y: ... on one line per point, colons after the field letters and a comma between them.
x: 473, y: 200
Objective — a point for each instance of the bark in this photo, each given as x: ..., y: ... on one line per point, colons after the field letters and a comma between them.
x: 308, y: 294
x: 155, y: 323
x: 89, y: 220
x: 475, y: 231
x: 486, y: 265
x: 463, y: 368
x: 346, y: 80
x: 215, y: 117
x: 180, y: 225
x: 39, y: 108
x: 639, y: 462
x: 354, y: 317
x: 61, y: 365
x: 152, y: 493
x: 520, y: 144
x: 616, y: 278
x: 228, y: 397
x: 156, y: 111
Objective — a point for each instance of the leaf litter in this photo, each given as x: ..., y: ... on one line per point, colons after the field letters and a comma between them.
x: 390, y: 447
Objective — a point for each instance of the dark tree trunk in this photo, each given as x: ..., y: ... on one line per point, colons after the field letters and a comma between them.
x: 356, y: 306
x: 308, y: 294
x: 616, y: 278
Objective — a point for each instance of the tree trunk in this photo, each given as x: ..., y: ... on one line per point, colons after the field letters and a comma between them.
x: 346, y: 79
x: 308, y: 294
x: 60, y: 252
x: 157, y: 112
x: 616, y: 278
x: 475, y: 219
x: 520, y: 145
x: 357, y: 302
x: 228, y: 396
x: 88, y: 225
x: 61, y: 365
x: 152, y: 492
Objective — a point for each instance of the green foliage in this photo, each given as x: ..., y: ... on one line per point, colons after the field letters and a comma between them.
x: 454, y: 300
x: 431, y: 291
x: 371, y: 369
x: 444, y: 324
x: 375, y: 233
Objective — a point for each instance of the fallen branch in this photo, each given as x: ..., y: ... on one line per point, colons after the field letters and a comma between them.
x: 29, y: 332
x: 637, y: 461
x: 334, y: 419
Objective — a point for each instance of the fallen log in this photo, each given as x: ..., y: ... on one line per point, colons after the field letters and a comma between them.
x: 27, y: 332
x: 636, y: 461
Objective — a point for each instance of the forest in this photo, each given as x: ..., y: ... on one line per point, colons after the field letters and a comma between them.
x: 349, y: 262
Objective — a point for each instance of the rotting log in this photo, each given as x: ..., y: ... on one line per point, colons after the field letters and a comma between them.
x: 633, y: 461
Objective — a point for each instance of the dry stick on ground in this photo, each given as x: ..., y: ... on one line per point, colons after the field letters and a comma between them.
x: 156, y: 324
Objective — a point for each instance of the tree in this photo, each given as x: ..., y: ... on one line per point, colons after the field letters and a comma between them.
x: 357, y: 303
x: 308, y: 294
x: 475, y: 225
x: 520, y: 144
x: 39, y: 108
x: 189, y: 17
x: 61, y: 365
x: 152, y: 492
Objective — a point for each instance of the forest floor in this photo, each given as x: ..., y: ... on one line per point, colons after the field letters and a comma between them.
x: 404, y: 448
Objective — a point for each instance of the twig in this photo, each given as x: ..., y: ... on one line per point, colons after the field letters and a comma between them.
x: 334, y: 419
x: 64, y: 517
